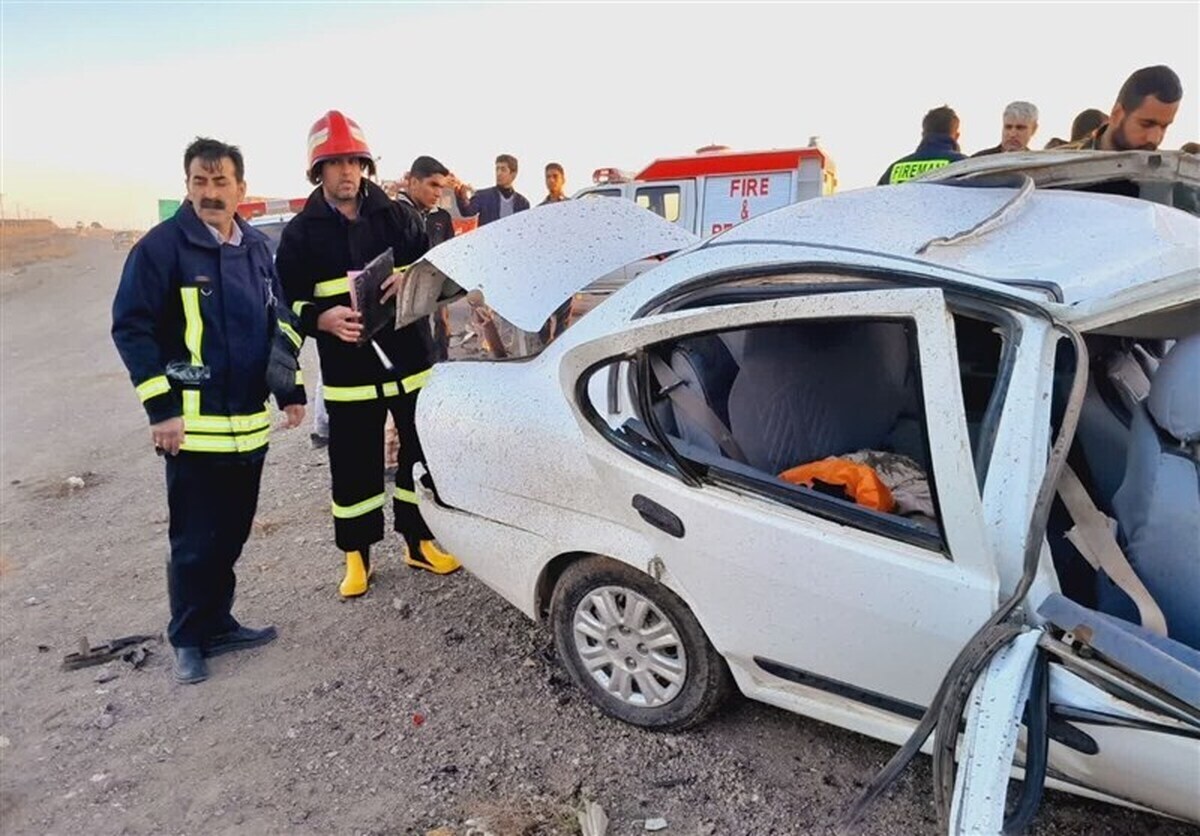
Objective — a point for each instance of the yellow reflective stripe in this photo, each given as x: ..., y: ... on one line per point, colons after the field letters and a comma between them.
x: 332, y: 287
x: 298, y: 307
x: 903, y: 172
x: 153, y: 387
x: 196, y: 443
x: 350, y: 393
x: 415, y: 381
x: 227, y: 424
x: 406, y: 496
x: 299, y: 377
x: 347, y: 512
x: 191, y: 402
x: 388, y: 389
x: 193, y: 332
x: 291, y: 333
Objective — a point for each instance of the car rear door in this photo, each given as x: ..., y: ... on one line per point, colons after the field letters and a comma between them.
x: 781, y: 590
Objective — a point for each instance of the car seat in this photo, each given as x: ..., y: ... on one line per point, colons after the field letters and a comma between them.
x: 1158, y: 504
x: 815, y: 389
x: 706, y: 366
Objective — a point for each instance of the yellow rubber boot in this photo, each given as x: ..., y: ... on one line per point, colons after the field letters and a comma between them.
x: 357, y: 575
x: 432, y: 559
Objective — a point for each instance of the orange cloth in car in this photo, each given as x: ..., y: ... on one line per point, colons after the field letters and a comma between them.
x: 861, y: 482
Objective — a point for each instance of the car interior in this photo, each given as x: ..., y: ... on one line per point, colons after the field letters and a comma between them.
x: 817, y: 413
x: 1135, y: 451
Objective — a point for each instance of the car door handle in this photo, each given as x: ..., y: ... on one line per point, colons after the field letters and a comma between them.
x: 658, y: 516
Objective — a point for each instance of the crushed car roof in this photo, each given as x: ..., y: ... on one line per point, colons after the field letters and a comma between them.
x: 1094, y: 259
x: 1082, y: 246
x: 1067, y: 169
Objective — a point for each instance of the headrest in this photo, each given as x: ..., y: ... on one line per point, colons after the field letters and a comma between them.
x: 1174, y: 401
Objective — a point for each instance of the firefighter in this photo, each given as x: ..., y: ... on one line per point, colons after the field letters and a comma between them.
x: 938, y: 148
x: 347, y: 221
x: 195, y: 321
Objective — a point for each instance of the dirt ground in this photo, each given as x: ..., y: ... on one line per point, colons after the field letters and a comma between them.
x: 427, y: 705
x: 29, y: 242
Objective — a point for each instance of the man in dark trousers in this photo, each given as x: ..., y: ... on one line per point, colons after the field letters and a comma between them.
x: 938, y: 148
x: 496, y: 202
x: 420, y: 197
x: 194, y: 319
x: 348, y: 221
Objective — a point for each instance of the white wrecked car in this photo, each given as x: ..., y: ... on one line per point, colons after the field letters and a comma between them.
x: 817, y: 456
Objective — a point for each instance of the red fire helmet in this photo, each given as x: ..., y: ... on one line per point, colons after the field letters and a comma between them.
x: 336, y: 135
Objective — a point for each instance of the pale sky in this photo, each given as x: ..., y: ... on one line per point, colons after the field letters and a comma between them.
x: 98, y: 100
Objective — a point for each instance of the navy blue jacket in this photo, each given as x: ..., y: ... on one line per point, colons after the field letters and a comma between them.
x: 935, y: 151
x: 486, y: 204
x: 186, y: 303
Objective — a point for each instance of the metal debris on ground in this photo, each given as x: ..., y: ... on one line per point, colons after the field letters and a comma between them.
x: 131, y: 649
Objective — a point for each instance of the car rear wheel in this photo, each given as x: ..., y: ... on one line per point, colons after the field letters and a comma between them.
x: 634, y: 647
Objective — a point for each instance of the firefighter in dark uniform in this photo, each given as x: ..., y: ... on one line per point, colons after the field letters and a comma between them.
x: 348, y: 221
x: 197, y: 321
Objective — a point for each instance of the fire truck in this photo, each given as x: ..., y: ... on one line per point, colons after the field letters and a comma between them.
x: 709, y: 192
x: 716, y: 188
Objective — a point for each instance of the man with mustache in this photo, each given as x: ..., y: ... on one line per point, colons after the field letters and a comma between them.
x: 194, y: 319
x: 348, y: 221
x: 1145, y: 108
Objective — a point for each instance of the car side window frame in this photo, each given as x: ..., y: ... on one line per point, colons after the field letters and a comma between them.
x: 799, y: 497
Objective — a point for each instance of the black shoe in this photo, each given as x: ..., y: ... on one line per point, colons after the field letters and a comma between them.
x: 318, y: 440
x: 239, y: 639
x: 190, y: 666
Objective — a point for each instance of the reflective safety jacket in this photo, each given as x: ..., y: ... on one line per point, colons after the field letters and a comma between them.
x: 317, y: 251
x: 193, y: 321
x: 935, y: 151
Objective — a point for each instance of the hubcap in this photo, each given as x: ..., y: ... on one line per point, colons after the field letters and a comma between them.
x: 629, y: 647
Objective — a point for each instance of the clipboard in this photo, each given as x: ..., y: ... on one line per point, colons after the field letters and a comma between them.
x: 365, y: 290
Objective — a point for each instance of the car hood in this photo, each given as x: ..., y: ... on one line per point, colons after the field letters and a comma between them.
x: 526, y: 265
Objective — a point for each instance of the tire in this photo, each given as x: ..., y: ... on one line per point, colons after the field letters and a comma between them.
x: 661, y: 673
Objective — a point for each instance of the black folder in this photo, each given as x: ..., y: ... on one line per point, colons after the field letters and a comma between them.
x: 365, y: 290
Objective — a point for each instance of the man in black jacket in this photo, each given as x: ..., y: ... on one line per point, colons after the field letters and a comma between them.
x: 938, y: 148
x: 348, y: 221
x: 420, y: 197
